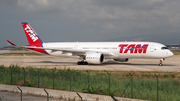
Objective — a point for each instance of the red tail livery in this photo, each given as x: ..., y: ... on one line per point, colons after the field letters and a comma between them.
x: 33, y: 38
x: 31, y: 34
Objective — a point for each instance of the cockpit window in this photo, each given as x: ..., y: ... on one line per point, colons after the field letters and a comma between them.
x: 164, y: 48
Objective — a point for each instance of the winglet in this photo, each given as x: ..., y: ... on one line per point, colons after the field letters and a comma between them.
x: 11, y: 43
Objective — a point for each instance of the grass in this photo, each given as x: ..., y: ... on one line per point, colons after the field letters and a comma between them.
x: 20, y: 54
x: 144, y: 83
x: 176, y: 51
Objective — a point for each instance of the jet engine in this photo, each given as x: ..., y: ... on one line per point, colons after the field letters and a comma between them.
x: 95, y: 58
x: 122, y: 59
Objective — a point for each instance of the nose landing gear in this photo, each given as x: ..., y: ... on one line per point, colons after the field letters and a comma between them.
x: 161, y: 60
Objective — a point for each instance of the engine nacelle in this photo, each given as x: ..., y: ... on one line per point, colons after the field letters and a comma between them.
x: 122, y: 59
x: 95, y: 58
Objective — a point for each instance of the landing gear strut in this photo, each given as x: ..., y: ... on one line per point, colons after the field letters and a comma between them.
x: 82, y: 63
x: 161, y: 60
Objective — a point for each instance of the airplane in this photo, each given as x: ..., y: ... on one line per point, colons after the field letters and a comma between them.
x: 96, y: 52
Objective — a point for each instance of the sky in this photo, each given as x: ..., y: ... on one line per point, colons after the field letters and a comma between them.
x: 91, y: 20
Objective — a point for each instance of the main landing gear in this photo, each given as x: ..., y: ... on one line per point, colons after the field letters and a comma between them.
x: 161, y: 60
x: 82, y: 63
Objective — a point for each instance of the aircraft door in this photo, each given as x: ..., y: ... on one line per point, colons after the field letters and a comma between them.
x: 152, y: 48
x: 75, y: 46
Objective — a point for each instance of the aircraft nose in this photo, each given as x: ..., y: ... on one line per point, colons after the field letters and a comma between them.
x: 170, y: 53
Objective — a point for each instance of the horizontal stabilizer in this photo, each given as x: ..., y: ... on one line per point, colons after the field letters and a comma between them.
x: 11, y: 43
x: 15, y: 44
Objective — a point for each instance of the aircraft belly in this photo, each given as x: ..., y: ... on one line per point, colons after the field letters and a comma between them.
x: 129, y: 55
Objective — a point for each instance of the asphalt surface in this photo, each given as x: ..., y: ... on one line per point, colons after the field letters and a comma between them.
x: 171, y: 64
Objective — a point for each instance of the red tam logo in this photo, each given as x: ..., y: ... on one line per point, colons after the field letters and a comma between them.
x: 133, y: 48
x: 32, y: 35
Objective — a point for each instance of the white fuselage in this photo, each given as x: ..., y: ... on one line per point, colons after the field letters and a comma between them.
x: 116, y: 49
x: 95, y: 52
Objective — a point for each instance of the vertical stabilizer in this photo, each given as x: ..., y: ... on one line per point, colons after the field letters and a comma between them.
x: 31, y: 35
x: 33, y: 38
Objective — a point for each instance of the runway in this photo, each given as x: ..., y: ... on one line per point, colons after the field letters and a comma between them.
x: 171, y: 64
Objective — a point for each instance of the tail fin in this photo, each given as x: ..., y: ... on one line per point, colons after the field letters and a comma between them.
x: 31, y: 35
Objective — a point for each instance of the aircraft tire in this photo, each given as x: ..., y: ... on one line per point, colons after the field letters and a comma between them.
x: 85, y: 63
x: 82, y: 63
x: 78, y: 63
x: 160, y: 64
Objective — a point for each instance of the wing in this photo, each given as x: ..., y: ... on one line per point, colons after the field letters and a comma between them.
x: 73, y: 51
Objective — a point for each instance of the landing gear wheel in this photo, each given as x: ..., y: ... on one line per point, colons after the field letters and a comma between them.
x: 160, y: 64
x: 161, y: 60
x: 78, y: 63
x: 82, y: 63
